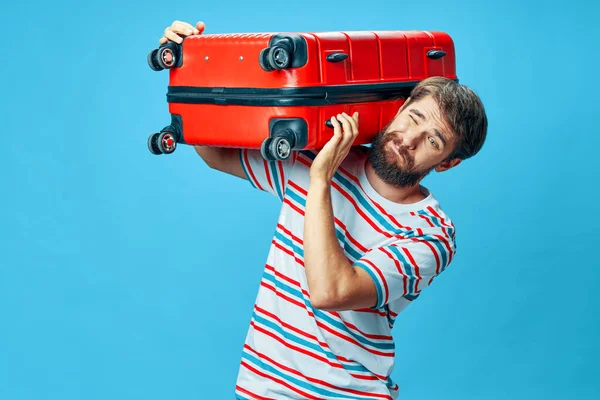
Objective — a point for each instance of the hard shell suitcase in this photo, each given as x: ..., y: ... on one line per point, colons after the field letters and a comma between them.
x: 277, y: 91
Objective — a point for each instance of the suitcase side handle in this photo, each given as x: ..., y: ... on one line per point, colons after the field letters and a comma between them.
x: 436, y: 54
x: 336, y: 57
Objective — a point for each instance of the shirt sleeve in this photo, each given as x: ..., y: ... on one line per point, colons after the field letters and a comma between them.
x: 407, y: 266
x: 269, y: 176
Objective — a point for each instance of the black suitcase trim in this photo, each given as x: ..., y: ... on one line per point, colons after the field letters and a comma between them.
x: 307, y: 96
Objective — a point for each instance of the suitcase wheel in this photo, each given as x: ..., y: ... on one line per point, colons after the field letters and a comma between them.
x: 278, y: 147
x: 264, y: 149
x: 153, y: 144
x: 276, y: 57
x: 281, y: 148
x: 165, y: 57
x: 166, y: 142
x: 152, y: 62
x: 162, y: 143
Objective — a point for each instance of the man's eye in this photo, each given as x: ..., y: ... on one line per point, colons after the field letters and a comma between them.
x: 411, y: 117
x: 433, y: 143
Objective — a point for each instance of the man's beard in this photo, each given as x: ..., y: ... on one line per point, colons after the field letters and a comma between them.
x: 385, y: 162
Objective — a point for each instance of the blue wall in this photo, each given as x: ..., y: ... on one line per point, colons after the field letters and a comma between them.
x: 129, y: 276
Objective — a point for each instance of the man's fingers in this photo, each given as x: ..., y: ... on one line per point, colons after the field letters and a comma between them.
x: 182, y: 27
x: 169, y: 34
x: 345, y: 123
x: 337, y: 128
x: 348, y: 129
x: 179, y: 29
x: 200, y: 27
x: 354, y: 122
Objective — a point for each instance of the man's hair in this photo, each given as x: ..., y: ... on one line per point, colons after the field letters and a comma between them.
x: 461, y: 108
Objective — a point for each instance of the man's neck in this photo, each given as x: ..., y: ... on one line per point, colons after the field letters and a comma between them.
x: 407, y: 195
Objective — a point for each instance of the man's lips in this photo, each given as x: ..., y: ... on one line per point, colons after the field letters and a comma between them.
x: 396, y: 149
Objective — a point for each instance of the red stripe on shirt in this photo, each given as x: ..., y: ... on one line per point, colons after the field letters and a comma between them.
x: 280, y: 275
x: 303, y: 161
x: 287, y: 251
x: 268, y: 173
x: 399, y: 268
x: 354, y: 342
x: 367, y: 335
x: 432, y: 210
x: 348, y: 324
x: 281, y: 382
x: 295, y: 207
x: 416, y: 268
x: 283, y: 296
x: 382, y: 279
x: 280, y: 167
x: 290, y: 234
x: 359, y: 211
x: 247, y: 162
x: 290, y: 327
x: 426, y: 220
x: 254, y: 395
x: 312, y: 355
x: 315, y: 380
x: 349, y: 236
x: 369, y: 310
x: 338, y: 222
x: 445, y: 242
x: 326, y: 327
x: 433, y: 250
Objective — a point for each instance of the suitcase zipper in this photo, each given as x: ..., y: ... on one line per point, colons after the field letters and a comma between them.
x: 307, y: 96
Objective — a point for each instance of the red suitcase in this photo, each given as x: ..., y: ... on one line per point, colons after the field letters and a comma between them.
x: 277, y: 91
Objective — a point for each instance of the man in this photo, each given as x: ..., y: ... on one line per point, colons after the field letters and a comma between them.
x: 357, y: 240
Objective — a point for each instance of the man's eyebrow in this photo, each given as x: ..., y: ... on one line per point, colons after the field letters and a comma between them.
x: 418, y: 114
x: 438, y: 134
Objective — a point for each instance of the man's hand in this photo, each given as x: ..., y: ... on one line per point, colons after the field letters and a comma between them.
x: 336, y: 149
x: 179, y: 29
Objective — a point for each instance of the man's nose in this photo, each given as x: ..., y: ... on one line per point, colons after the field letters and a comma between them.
x: 411, y: 137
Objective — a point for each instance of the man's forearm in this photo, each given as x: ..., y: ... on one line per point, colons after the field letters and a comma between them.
x: 213, y: 155
x: 327, y: 268
x: 223, y: 159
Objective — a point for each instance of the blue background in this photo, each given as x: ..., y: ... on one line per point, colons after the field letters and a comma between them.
x: 129, y: 276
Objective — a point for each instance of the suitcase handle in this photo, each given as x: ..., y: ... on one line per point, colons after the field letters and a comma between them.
x: 435, y: 54
x: 337, y: 57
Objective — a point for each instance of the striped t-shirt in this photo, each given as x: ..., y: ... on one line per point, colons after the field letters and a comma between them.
x: 295, y: 351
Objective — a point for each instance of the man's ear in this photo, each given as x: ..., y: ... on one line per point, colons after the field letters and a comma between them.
x: 446, y: 165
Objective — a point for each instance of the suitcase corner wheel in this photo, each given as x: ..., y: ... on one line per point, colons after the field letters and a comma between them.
x: 165, y: 141
x: 278, y: 147
x: 162, y: 143
x: 284, y: 51
x: 286, y: 134
x: 165, y: 57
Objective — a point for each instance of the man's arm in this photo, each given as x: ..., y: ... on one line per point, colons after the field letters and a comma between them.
x: 222, y: 159
x: 333, y: 282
